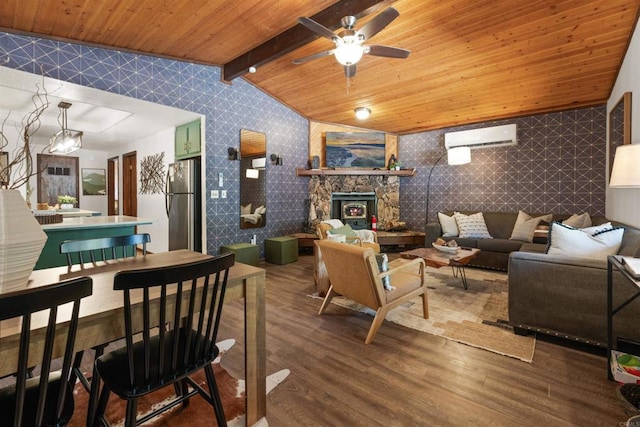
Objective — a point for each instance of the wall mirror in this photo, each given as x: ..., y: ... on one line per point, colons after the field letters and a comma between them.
x: 619, y: 126
x: 253, y: 179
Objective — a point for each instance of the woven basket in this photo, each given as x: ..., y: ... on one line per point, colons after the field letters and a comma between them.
x: 49, y: 219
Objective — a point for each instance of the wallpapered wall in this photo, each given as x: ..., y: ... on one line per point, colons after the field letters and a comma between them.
x: 197, y: 88
x: 558, y: 166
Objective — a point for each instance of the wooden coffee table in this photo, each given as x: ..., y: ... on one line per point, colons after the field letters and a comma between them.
x: 435, y: 258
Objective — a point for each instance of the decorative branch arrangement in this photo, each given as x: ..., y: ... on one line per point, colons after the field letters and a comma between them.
x: 19, y: 167
x: 152, y: 174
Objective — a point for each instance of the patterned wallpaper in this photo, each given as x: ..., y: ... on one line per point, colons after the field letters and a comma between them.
x: 197, y: 88
x: 558, y: 166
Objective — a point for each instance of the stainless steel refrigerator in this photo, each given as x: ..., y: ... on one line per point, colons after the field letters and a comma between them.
x: 183, y: 204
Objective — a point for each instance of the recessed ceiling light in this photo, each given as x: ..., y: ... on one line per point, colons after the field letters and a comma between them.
x: 362, y: 112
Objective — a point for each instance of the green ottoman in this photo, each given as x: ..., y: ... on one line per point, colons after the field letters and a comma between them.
x: 246, y: 253
x: 281, y: 250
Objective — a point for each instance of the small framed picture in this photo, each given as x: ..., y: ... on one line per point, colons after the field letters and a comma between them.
x: 94, y: 182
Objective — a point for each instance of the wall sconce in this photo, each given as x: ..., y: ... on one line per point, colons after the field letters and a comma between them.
x: 232, y: 153
x: 276, y: 160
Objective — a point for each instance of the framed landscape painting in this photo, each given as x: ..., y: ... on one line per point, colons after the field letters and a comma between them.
x: 355, y: 149
x: 94, y: 182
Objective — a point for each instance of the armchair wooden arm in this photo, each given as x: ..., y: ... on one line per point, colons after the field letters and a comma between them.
x: 416, y: 263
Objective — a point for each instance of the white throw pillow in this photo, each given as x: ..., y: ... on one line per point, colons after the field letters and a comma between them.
x: 472, y: 226
x: 565, y: 240
x: 448, y: 225
x: 526, y: 225
x: 578, y: 221
x: 597, y: 228
x: 245, y: 210
x: 259, y: 209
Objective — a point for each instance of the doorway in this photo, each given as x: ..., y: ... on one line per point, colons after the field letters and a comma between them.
x: 129, y: 184
x: 113, y: 184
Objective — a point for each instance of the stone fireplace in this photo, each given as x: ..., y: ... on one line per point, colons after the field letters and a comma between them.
x: 383, y: 190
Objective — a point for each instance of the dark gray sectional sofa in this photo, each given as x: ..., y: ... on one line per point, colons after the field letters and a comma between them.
x: 494, y: 252
x: 556, y: 295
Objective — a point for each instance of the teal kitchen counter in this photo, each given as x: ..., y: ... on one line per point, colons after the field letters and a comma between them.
x: 87, y: 227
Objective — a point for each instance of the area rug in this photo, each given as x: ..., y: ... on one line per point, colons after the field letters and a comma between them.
x: 197, y: 413
x: 477, y: 316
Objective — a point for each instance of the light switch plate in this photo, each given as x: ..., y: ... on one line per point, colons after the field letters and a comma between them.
x: 220, y: 180
x: 215, y: 194
x: 223, y: 194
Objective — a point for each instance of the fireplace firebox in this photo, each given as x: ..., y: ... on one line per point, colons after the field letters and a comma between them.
x: 354, y: 208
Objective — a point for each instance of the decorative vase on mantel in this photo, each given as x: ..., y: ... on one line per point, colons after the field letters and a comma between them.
x: 21, y: 241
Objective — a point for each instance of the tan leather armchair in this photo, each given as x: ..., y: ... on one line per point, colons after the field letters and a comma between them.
x: 353, y: 272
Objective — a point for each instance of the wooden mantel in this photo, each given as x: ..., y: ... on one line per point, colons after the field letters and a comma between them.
x: 355, y: 171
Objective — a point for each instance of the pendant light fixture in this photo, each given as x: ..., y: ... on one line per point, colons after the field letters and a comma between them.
x: 66, y: 140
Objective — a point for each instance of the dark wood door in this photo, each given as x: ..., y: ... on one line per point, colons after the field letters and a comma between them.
x: 129, y: 184
x: 113, y: 179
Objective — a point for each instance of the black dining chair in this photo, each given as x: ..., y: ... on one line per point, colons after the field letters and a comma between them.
x: 103, y: 248
x: 46, y: 399
x: 167, y: 338
x: 94, y: 250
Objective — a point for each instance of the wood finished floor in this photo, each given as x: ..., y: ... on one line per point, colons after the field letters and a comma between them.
x: 406, y: 377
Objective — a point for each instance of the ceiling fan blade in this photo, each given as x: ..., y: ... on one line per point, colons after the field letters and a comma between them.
x: 312, y: 57
x: 319, y: 29
x: 372, y: 27
x: 350, y: 70
x: 387, y: 51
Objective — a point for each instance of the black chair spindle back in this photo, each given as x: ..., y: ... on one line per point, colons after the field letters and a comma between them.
x: 47, y: 399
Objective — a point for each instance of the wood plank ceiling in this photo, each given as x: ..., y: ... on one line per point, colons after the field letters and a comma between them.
x: 471, y: 60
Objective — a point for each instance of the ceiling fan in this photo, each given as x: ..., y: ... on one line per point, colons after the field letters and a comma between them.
x: 349, y: 42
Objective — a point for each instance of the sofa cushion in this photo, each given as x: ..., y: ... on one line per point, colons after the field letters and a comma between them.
x: 499, y: 245
x: 534, y: 247
x: 578, y: 221
x: 448, y: 225
x: 564, y: 240
x: 526, y: 225
x: 500, y: 224
x: 472, y: 226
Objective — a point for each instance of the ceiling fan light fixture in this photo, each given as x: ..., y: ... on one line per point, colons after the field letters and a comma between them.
x: 362, y: 112
x: 348, y: 53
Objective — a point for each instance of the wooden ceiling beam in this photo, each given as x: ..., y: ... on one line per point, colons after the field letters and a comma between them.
x: 297, y: 36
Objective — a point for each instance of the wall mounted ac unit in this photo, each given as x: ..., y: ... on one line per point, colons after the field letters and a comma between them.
x: 495, y: 136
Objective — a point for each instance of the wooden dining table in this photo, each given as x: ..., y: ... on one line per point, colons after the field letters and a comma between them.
x: 102, y: 315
